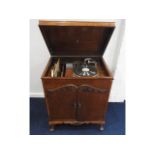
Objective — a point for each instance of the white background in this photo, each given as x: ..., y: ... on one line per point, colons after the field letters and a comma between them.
x: 14, y: 79
x: 115, y: 59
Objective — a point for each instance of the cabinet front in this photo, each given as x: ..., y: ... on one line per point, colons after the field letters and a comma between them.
x: 71, y: 103
x: 92, y: 103
x: 61, y: 103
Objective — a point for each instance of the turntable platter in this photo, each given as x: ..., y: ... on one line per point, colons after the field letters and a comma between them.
x: 84, y: 69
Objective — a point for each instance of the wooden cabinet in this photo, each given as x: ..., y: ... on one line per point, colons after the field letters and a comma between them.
x: 92, y: 103
x: 83, y: 103
x: 62, y: 103
x: 70, y: 99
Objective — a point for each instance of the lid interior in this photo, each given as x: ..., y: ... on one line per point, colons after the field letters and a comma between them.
x: 76, y: 40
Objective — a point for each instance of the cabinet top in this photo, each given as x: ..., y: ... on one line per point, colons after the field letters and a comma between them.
x: 75, y: 23
x: 76, y: 38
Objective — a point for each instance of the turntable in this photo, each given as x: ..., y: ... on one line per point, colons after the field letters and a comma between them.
x: 86, y: 68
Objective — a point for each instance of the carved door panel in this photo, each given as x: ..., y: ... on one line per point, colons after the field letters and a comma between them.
x: 61, y: 103
x: 91, y: 103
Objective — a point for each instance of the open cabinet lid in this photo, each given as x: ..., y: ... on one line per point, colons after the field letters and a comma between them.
x: 76, y: 39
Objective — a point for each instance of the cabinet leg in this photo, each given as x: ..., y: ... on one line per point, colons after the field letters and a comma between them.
x: 51, y: 128
x: 101, y: 127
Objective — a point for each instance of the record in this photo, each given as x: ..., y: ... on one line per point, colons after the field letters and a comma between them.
x: 83, y: 69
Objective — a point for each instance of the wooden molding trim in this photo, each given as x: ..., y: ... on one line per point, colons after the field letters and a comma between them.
x: 75, y: 23
x: 82, y: 88
x: 88, y: 88
x: 65, y: 87
x: 75, y: 122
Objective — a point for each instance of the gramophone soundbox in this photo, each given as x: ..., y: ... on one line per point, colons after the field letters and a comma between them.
x: 76, y: 80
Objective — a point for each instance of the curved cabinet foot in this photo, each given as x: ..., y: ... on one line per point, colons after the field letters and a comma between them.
x: 51, y: 128
x: 101, y: 127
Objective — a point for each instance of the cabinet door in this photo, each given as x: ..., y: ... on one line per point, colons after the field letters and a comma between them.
x: 61, y: 103
x: 92, y: 103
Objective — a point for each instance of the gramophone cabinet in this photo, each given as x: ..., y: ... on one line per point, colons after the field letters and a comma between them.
x: 74, y: 99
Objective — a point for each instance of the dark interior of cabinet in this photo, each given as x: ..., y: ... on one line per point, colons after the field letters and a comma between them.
x: 102, y: 68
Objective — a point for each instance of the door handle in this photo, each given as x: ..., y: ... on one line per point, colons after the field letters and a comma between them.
x: 79, y: 105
